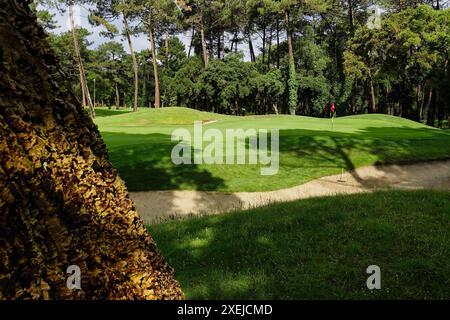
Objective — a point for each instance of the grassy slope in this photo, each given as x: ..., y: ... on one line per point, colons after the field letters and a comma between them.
x: 140, y: 147
x: 105, y: 112
x: 317, y: 248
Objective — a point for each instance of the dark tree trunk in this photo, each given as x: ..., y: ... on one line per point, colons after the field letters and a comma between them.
x: 219, y: 46
x: 252, y: 50
x: 432, y: 108
x: 270, y: 47
x: 278, y: 43
x: 61, y: 202
x: 192, y: 41
x: 289, y: 36
x: 264, y: 40
x: 350, y: 16
x: 117, y: 97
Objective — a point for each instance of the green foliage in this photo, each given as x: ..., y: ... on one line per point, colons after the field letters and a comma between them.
x: 336, y: 57
x: 406, y: 58
x: 100, y: 21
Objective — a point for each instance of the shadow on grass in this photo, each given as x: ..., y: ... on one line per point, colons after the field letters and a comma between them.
x: 376, y: 146
x: 316, y: 249
x: 102, y: 113
x: 147, y: 165
x: 144, y: 162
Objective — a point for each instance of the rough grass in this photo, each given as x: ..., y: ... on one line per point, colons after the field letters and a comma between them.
x: 140, y: 147
x: 316, y: 249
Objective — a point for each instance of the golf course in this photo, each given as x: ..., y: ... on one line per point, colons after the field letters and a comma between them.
x: 312, y: 248
x: 140, y: 148
x: 236, y: 151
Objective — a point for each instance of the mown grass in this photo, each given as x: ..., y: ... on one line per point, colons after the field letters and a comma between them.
x: 316, y: 249
x: 105, y: 112
x: 140, y: 148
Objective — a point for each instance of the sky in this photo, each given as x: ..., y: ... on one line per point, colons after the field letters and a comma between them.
x: 140, y: 42
x: 81, y: 14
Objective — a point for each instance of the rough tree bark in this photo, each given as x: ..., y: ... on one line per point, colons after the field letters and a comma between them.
x: 61, y: 201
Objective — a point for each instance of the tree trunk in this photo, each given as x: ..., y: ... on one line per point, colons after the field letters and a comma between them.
x: 61, y: 202
x: 135, y: 64
x: 203, y: 40
x: 144, y: 83
x: 166, y: 48
x: 76, y: 55
x: 289, y: 37
x: 234, y: 43
x: 278, y: 43
x: 293, y: 95
x: 264, y: 40
x: 83, y: 83
x: 117, y: 97
x: 250, y: 45
x: 155, y: 68
x: 219, y: 46
x: 269, y: 51
x: 373, y: 101
x: 192, y: 41
x: 431, y: 117
x: 350, y: 16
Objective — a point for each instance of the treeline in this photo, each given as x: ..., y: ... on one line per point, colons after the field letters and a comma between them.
x: 302, y: 55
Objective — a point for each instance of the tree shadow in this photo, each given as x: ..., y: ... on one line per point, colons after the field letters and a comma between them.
x: 144, y: 162
x: 399, y: 145
x: 314, y: 249
x: 102, y: 113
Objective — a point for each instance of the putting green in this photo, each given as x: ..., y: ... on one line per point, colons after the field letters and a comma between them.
x: 140, y: 147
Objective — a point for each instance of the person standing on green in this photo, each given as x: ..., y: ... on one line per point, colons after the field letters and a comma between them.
x: 332, y: 113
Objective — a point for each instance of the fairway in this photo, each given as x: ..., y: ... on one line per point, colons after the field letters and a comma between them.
x: 140, y: 148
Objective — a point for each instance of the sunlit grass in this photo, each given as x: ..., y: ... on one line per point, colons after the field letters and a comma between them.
x: 310, y: 148
x: 316, y: 249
